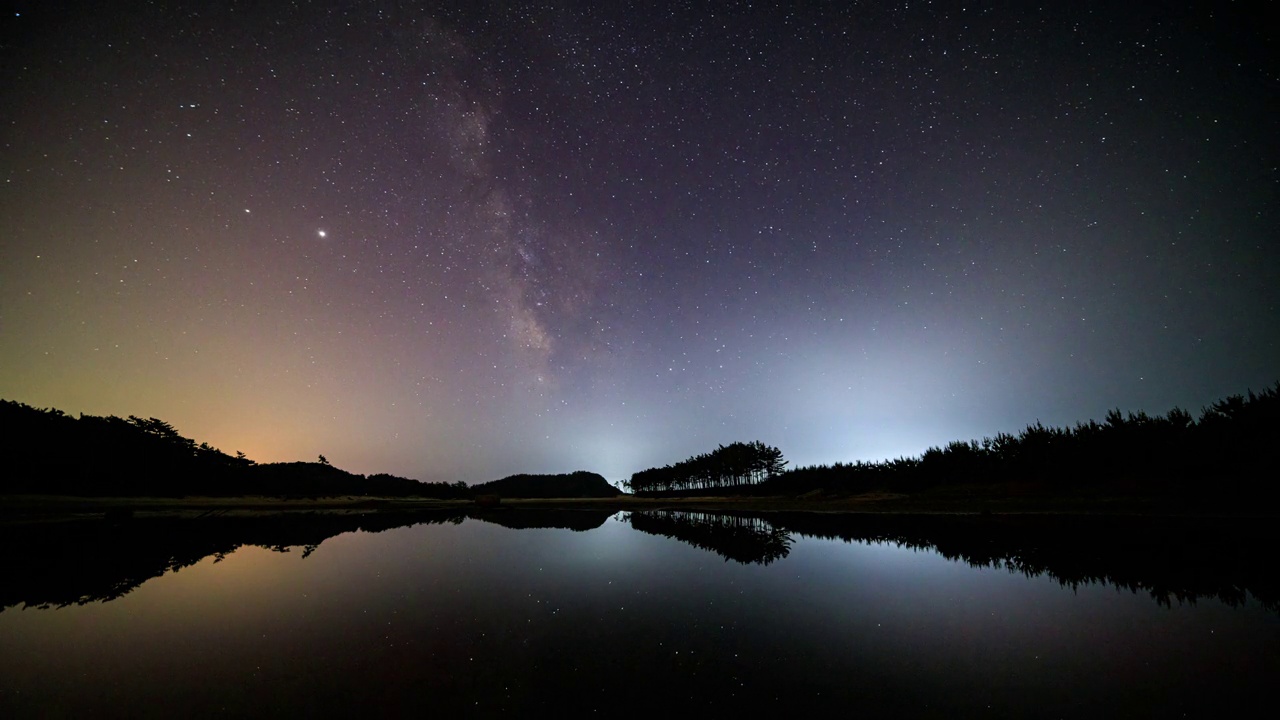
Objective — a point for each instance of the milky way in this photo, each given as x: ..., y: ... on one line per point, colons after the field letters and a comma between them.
x: 460, y: 240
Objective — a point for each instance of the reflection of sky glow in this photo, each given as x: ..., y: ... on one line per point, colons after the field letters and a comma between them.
x: 455, y: 608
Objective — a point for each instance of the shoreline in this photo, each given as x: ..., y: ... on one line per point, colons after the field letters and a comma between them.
x: 26, y: 508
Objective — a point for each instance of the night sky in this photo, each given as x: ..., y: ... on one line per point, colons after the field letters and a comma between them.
x: 454, y: 241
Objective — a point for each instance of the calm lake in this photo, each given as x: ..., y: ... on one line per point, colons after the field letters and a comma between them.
x: 509, y: 612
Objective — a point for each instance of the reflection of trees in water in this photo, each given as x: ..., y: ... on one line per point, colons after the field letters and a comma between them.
x: 741, y: 538
x: 1171, y: 559
x: 55, y: 564
x: 528, y: 518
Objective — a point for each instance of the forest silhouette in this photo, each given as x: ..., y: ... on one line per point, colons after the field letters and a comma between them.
x: 733, y: 466
x: 48, y: 452
x: 1226, y: 451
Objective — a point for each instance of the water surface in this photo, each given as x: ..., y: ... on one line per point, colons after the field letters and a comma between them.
x: 506, y: 612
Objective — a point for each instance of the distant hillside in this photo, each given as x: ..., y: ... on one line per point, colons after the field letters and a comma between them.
x: 47, y: 452
x: 566, y: 485
x: 313, y: 479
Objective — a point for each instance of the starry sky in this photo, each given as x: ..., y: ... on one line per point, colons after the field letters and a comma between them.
x: 454, y: 241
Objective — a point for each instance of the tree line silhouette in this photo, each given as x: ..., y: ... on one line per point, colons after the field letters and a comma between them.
x: 47, y: 452
x: 736, y: 465
x: 1136, y: 453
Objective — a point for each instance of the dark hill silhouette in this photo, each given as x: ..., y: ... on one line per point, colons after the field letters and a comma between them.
x: 1226, y: 452
x: 567, y: 485
x: 314, y: 479
x: 47, y: 452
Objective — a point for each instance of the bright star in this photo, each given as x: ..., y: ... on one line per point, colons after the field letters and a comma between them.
x: 322, y: 233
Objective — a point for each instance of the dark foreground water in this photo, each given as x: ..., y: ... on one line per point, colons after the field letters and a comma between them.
x: 522, y: 613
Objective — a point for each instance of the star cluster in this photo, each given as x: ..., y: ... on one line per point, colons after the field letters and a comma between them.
x: 460, y: 240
